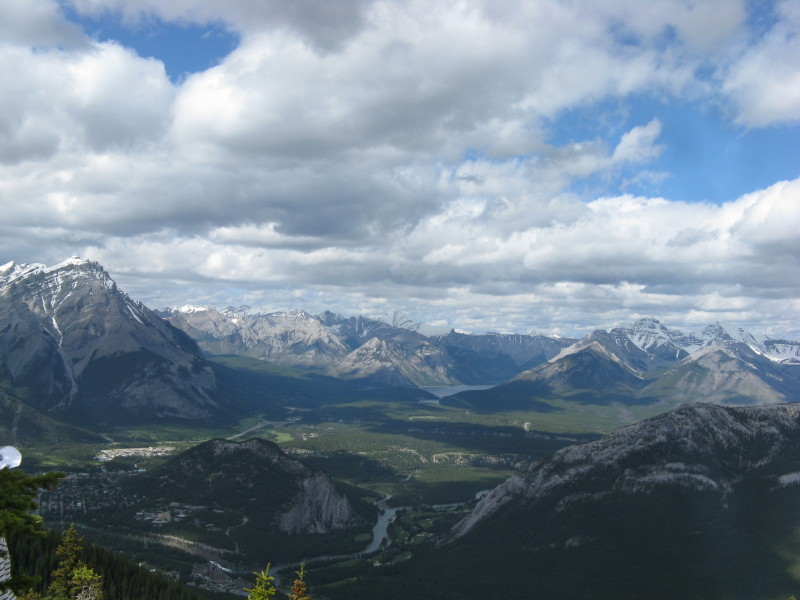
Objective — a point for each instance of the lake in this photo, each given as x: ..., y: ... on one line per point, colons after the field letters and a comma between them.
x: 440, y: 391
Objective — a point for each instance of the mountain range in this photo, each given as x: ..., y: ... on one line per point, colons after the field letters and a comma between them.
x: 698, y: 502
x: 363, y: 348
x: 76, y: 347
x: 649, y: 363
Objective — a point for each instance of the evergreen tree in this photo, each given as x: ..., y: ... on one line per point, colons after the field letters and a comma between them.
x: 264, y: 588
x: 17, y: 493
x: 299, y: 589
x: 88, y: 583
x: 68, y: 553
x: 73, y: 578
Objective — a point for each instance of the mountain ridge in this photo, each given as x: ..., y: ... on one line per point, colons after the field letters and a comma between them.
x: 360, y: 347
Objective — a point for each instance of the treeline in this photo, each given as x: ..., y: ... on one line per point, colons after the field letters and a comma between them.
x: 122, y: 579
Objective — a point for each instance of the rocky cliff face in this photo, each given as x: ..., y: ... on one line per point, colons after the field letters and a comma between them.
x: 314, y: 506
x: 294, y: 338
x: 317, y: 508
x: 70, y: 338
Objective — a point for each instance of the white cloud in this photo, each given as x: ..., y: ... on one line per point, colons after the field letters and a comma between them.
x: 638, y: 144
x: 363, y: 154
x: 38, y: 23
x: 764, y: 83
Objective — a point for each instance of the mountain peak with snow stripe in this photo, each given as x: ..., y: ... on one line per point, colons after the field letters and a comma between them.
x: 68, y: 326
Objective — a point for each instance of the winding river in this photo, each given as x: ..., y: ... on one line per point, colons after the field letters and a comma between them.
x: 380, y: 538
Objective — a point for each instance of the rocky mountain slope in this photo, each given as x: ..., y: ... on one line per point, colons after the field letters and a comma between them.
x: 254, y: 478
x: 701, y: 502
x: 352, y: 347
x: 293, y: 338
x: 698, y: 448
x: 493, y: 358
x: 72, y: 342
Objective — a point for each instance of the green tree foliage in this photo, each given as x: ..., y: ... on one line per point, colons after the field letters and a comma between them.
x: 73, y: 578
x: 17, y: 493
x: 62, y: 584
x: 121, y: 578
x: 264, y: 588
x: 87, y: 583
x: 299, y: 588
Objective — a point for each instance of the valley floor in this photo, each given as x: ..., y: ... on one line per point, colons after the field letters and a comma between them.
x: 430, y: 460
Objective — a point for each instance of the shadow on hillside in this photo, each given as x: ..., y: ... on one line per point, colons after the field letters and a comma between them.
x: 609, y: 398
x: 512, y: 396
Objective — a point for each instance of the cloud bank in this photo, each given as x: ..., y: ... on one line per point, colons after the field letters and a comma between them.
x: 366, y: 156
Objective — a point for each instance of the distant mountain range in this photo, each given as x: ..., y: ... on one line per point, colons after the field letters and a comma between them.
x: 700, y: 502
x: 362, y: 348
x: 627, y: 364
x: 650, y: 363
x: 73, y: 345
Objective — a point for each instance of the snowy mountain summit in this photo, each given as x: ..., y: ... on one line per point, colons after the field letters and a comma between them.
x: 648, y: 344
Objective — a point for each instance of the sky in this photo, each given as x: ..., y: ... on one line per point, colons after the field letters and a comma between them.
x: 514, y: 165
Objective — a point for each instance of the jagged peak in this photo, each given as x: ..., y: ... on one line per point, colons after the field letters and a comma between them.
x: 296, y: 312
x: 13, y: 272
x: 240, y: 311
x: 717, y: 331
x: 648, y: 323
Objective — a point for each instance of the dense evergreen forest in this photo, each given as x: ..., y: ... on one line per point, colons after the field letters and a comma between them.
x: 121, y: 578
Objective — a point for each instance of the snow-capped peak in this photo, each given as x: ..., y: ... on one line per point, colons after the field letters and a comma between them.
x: 72, y: 261
x: 12, y: 272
